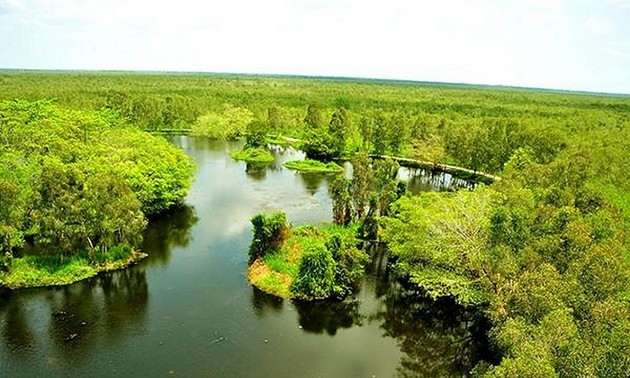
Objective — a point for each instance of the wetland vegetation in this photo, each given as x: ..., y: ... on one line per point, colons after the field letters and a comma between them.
x: 541, y: 254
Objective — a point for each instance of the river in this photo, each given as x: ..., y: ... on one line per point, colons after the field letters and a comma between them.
x: 189, y: 311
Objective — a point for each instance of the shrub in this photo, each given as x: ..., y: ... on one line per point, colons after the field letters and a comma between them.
x: 269, y: 234
x: 6, y: 261
x: 316, y: 275
x: 349, y: 264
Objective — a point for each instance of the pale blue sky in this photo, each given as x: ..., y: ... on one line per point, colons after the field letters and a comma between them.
x: 565, y: 44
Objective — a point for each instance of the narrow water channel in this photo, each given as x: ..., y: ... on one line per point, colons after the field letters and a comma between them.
x: 189, y: 311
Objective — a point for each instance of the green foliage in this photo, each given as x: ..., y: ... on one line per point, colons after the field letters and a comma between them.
x: 474, y: 127
x: 440, y: 240
x: 309, y: 165
x: 330, y: 264
x: 316, y: 275
x: 339, y: 129
x: 369, y: 227
x: 76, y: 182
x: 256, y: 134
x: 361, y: 184
x: 278, y: 263
x: 229, y: 124
x: 158, y: 173
x: 51, y: 270
x: 270, y: 232
x: 541, y: 251
x: 350, y: 264
x: 253, y: 155
x: 326, y: 143
x: 77, y: 209
x: 312, y: 263
x: 385, y: 172
x: 313, y: 119
x: 6, y: 262
x: 544, y: 251
x: 342, y: 205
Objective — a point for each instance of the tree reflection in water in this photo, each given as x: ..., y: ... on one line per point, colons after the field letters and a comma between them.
x: 256, y: 172
x: 423, y: 180
x: 171, y: 229
x: 264, y: 303
x: 16, y: 330
x: 73, y: 318
x: 113, y: 302
x: 328, y: 316
x: 105, y: 307
x: 436, y: 338
x: 311, y: 181
x: 314, y: 317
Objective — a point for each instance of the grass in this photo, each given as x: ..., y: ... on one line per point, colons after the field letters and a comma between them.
x: 253, y: 155
x: 309, y: 165
x: 274, y: 274
x: 38, y: 271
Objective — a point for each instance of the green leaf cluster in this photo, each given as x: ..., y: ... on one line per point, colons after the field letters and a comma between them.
x: 269, y: 233
x: 73, y: 181
x: 330, y: 264
x: 541, y: 251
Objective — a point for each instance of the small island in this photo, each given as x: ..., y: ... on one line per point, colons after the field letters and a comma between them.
x: 253, y: 155
x: 310, y: 165
x: 315, y: 262
x: 306, y: 262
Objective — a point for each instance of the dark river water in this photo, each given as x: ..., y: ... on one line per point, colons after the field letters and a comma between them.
x: 189, y: 311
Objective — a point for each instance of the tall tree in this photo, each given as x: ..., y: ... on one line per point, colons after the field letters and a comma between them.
x: 366, y: 129
x: 342, y: 203
x: 339, y: 131
x: 314, y: 119
x: 385, y: 173
x: 361, y: 184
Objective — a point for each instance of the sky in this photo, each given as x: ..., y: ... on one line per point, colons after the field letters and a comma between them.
x: 560, y: 44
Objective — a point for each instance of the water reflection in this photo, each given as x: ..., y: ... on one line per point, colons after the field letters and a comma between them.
x: 328, y: 316
x: 16, y: 330
x: 189, y: 308
x: 264, y: 303
x: 115, y: 302
x: 282, y: 154
x: 423, y: 180
x: 311, y: 181
x: 438, y: 338
x: 67, y: 321
x: 168, y: 231
x: 258, y: 172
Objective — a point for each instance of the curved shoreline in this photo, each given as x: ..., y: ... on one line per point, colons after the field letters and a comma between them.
x: 89, y: 272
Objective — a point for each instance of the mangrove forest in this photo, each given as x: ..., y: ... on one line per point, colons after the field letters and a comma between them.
x: 455, y: 230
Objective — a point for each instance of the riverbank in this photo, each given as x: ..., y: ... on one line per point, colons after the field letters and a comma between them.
x: 41, y: 271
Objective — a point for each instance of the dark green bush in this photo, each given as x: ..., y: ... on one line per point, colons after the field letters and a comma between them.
x: 316, y: 275
x: 349, y: 264
x: 6, y: 261
x: 270, y: 231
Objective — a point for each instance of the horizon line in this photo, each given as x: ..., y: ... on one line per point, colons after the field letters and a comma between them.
x: 325, y: 77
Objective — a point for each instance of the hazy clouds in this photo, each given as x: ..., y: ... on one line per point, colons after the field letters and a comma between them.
x: 570, y: 44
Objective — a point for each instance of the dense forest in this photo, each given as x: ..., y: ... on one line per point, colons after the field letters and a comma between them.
x: 76, y: 188
x: 542, y: 252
